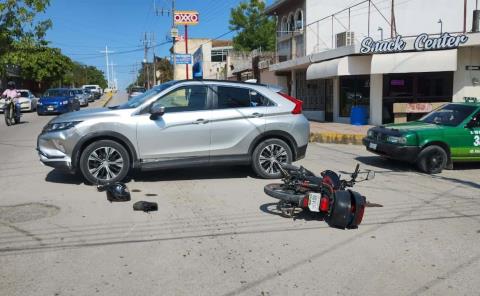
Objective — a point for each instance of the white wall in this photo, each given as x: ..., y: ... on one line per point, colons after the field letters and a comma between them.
x: 463, y: 85
x: 412, y: 18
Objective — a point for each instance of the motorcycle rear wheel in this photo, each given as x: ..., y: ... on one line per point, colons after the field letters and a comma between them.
x: 279, y: 191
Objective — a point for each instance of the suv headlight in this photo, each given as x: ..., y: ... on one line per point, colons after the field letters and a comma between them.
x: 396, y: 140
x: 60, y: 126
x: 370, y: 134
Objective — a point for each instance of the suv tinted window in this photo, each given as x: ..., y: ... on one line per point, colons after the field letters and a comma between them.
x: 187, y: 98
x: 237, y: 97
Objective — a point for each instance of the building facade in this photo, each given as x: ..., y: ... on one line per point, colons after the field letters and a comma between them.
x: 394, y: 59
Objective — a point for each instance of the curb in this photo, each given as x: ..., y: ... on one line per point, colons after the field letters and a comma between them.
x: 336, y: 138
x: 108, y: 100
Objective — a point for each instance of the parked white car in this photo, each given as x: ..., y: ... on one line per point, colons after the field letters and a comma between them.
x: 96, y: 90
x: 27, y: 100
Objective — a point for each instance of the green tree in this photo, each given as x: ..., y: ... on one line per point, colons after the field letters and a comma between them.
x: 255, y: 29
x: 17, y: 22
x: 80, y: 74
x: 39, y: 64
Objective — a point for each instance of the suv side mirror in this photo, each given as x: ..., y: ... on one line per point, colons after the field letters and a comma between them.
x: 156, y: 111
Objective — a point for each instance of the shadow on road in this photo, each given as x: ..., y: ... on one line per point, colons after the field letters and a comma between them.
x: 271, y: 208
x: 56, y: 176
x: 185, y: 174
x: 386, y: 164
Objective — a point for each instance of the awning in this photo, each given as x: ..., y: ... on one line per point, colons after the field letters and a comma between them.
x: 411, y: 62
x: 346, y: 66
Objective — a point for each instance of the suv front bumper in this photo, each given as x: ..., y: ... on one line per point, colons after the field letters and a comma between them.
x: 53, y: 151
x: 398, y: 152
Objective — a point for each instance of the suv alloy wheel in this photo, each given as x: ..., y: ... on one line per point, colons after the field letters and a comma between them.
x: 104, y: 162
x: 268, y: 156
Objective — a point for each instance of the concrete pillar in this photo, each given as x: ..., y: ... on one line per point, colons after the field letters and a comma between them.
x: 294, y: 84
x: 376, y: 99
x: 336, y: 98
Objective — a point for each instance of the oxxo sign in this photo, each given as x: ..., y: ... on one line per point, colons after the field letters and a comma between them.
x: 186, y: 17
x: 422, y: 42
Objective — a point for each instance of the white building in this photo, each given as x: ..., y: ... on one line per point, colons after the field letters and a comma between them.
x: 320, y: 56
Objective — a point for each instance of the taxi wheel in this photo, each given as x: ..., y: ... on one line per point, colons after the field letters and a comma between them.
x: 432, y: 159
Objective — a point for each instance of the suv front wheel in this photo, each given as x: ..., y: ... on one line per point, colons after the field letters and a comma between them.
x: 268, y: 156
x: 104, y: 162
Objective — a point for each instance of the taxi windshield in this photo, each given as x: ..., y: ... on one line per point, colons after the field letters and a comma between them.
x: 449, y: 115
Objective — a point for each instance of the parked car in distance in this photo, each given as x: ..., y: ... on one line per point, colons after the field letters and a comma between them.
x: 95, y: 89
x: 58, y: 100
x: 447, y: 135
x: 81, y: 97
x: 89, y: 95
x: 27, y: 100
x: 136, y: 91
x: 180, y: 124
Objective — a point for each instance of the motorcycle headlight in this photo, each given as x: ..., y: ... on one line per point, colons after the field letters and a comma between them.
x: 397, y: 140
x: 60, y: 126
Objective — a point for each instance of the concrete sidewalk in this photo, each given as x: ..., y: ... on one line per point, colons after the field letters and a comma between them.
x: 337, y: 133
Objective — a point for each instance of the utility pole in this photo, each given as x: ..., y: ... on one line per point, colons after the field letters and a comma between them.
x: 114, y: 78
x: 146, y: 75
x: 106, y: 60
x: 173, y: 31
x: 393, y: 22
x: 154, y: 65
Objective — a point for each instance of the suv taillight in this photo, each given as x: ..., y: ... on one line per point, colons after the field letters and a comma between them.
x: 297, y: 102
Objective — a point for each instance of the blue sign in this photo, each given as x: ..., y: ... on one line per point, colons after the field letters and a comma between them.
x: 183, y: 59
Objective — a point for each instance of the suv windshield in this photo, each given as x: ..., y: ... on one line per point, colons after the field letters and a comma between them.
x: 51, y: 93
x: 90, y: 87
x: 449, y: 115
x: 139, y: 100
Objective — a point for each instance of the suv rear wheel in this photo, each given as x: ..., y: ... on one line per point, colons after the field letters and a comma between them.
x: 432, y: 160
x: 268, y: 156
x: 104, y: 162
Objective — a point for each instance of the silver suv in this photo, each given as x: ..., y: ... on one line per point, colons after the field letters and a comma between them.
x: 180, y: 124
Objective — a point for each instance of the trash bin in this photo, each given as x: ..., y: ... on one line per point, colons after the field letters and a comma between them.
x: 359, y: 115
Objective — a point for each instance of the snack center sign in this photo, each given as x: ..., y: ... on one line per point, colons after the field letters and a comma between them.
x: 422, y: 42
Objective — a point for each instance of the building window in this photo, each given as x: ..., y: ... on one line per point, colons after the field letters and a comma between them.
x: 354, y: 91
x: 415, y: 88
x: 284, y: 26
x: 219, y: 55
x: 291, y: 23
x: 299, y: 20
x: 313, y: 93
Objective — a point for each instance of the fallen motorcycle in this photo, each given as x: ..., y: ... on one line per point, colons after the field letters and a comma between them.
x: 326, y: 195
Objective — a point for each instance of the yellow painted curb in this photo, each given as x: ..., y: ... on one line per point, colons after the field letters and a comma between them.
x: 109, y: 96
x: 337, y: 138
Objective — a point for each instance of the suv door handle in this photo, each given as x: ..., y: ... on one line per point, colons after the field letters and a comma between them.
x: 256, y: 114
x: 200, y: 121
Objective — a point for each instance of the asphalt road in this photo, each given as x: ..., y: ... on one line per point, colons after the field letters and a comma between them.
x: 217, y: 233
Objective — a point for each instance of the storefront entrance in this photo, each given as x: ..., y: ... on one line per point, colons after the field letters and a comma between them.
x: 354, y: 91
x: 432, y: 87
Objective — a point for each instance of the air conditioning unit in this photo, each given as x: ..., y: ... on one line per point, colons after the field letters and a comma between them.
x: 345, y: 39
x: 264, y: 64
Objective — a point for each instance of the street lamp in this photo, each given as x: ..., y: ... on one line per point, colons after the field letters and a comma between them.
x: 381, y: 33
x: 441, y: 26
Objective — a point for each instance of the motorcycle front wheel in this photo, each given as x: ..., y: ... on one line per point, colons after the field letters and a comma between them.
x: 280, y: 191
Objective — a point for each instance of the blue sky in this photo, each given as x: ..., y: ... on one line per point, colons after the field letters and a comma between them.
x: 82, y: 28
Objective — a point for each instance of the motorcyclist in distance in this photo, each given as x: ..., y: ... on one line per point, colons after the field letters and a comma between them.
x: 12, y: 93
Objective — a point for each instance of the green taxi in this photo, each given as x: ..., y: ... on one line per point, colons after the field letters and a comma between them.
x: 444, y: 136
